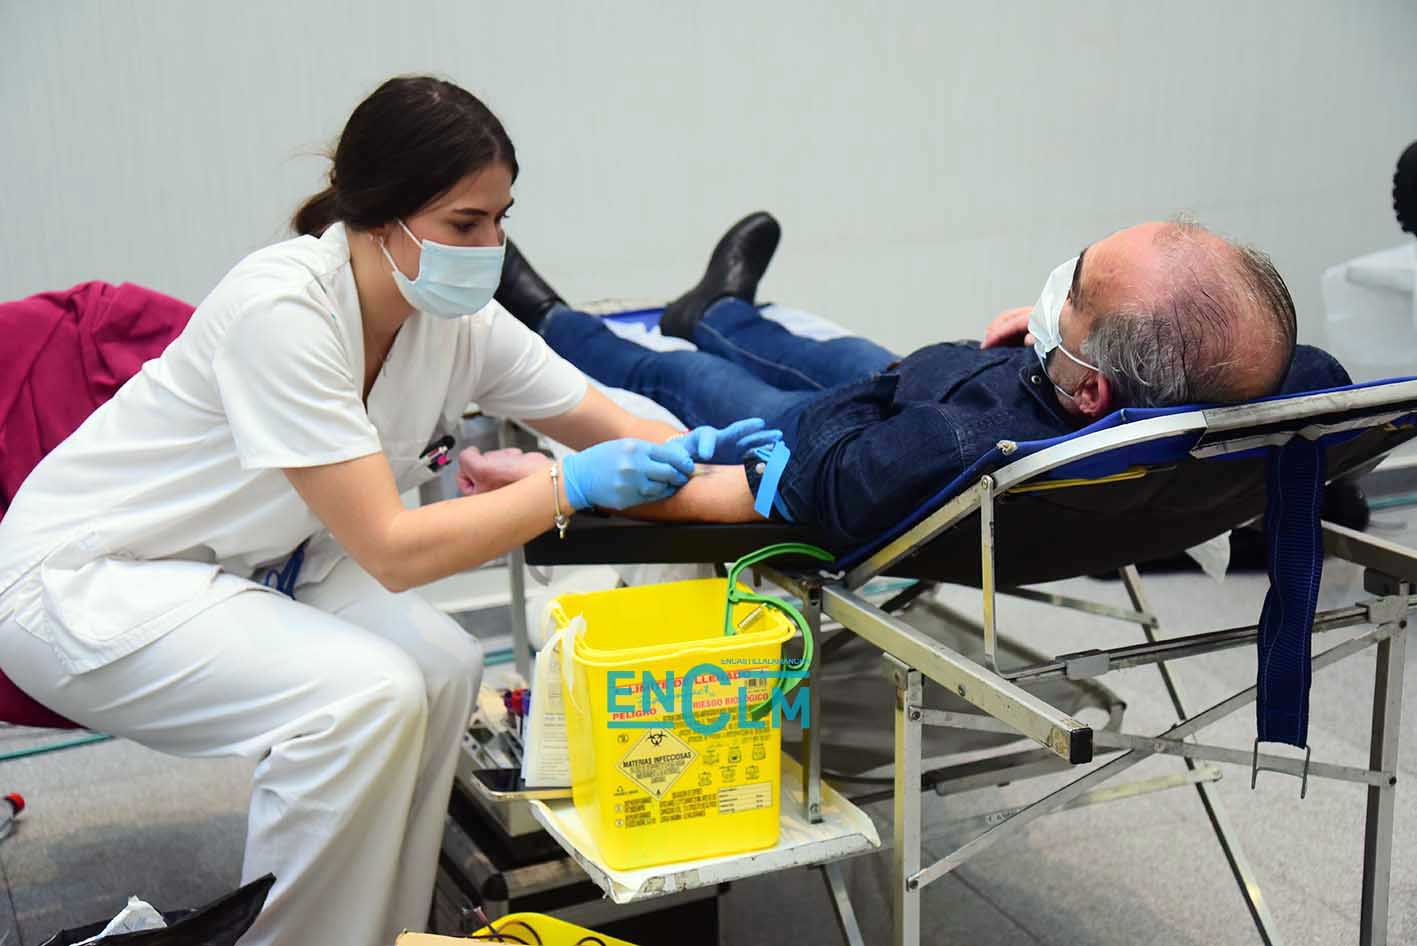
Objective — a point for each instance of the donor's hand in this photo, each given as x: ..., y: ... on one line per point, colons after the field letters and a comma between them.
x: 1009, y: 327
x: 480, y: 472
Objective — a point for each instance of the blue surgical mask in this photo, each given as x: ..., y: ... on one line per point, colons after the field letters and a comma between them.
x: 452, y: 281
x: 1043, y: 321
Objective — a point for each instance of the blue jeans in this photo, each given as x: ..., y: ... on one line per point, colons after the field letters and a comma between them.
x: 746, y: 365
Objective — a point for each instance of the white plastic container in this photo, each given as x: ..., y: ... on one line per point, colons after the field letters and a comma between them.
x: 1371, y: 313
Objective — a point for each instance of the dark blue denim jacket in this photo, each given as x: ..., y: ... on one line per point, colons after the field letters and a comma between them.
x: 865, y: 455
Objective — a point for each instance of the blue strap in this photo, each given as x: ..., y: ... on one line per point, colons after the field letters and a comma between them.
x: 1294, y: 539
x: 767, y: 500
x: 284, y: 580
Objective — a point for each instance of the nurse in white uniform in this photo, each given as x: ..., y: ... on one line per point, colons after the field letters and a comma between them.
x: 290, y: 414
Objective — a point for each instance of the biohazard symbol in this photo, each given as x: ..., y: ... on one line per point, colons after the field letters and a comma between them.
x: 656, y: 761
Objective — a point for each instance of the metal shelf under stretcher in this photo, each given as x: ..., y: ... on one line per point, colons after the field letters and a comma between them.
x: 844, y: 831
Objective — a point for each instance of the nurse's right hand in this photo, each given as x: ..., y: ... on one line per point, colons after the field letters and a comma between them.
x: 618, y: 474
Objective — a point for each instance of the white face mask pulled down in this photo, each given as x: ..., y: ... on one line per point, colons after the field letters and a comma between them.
x: 1043, y: 321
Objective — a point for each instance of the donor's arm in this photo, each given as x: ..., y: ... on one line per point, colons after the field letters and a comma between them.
x: 718, y: 494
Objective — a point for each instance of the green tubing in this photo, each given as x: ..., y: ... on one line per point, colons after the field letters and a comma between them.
x: 735, y: 596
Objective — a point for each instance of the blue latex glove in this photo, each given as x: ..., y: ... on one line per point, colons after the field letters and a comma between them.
x: 729, y: 445
x: 618, y: 474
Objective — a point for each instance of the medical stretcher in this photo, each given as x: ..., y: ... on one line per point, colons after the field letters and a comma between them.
x: 1137, y: 486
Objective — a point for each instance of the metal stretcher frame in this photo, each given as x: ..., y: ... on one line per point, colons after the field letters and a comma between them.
x: 912, y: 655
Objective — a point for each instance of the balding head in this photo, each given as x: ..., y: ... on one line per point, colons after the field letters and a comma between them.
x: 1179, y: 315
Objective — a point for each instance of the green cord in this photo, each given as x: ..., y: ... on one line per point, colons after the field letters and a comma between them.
x: 1392, y: 502
x: 735, y: 596
x: 496, y: 657
x: 55, y: 747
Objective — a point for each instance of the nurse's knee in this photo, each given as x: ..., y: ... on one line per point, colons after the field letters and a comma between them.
x: 399, y: 692
x: 453, y: 687
x: 454, y: 658
x: 468, y: 660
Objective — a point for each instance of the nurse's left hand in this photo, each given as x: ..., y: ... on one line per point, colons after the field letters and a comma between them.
x: 730, y: 444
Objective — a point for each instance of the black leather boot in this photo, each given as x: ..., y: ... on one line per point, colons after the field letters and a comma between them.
x: 523, y: 292
x: 737, y: 264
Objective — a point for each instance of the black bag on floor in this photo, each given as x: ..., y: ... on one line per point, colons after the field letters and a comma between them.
x: 220, y: 923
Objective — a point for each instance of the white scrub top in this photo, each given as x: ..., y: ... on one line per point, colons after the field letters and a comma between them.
x: 170, y: 496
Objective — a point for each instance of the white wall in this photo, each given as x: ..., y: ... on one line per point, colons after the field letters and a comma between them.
x: 930, y: 162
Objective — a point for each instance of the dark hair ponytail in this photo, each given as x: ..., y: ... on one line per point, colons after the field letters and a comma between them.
x: 410, y: 141
x: 316, y: 214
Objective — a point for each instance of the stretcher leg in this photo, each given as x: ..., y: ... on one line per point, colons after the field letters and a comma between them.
x: 841, y: 903
x: 1245, y: 877
x: 906, y: 853
x: 1377, y: 832
x: 812, y: 735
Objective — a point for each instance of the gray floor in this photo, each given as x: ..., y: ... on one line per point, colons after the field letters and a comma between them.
x: 113, y: 819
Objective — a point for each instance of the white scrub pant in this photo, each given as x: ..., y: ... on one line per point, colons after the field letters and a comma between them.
x: 354, y: 701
